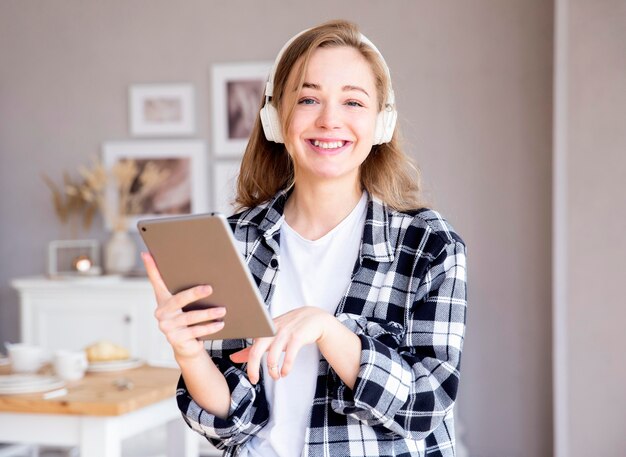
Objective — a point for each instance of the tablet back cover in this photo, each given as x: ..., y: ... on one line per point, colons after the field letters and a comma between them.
x: 200, y: 249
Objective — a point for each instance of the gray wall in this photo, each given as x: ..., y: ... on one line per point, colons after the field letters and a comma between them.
x: 473, y: 82
x: 595, y: 203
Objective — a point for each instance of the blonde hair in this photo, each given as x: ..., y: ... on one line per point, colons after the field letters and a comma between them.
x: 266, y: 168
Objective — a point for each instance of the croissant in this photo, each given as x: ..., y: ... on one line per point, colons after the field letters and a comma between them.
x: 105, y: 351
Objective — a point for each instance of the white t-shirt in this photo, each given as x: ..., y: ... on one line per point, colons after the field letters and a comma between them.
x: 312, y: 273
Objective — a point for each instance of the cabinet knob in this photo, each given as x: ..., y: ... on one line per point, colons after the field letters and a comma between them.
x: 127, y: 319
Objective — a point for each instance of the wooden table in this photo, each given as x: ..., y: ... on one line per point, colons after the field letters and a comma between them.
x: 96, y: 415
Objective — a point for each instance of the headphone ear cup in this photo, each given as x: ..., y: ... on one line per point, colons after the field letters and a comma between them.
x: 271, y: 123
x: 379, y: 129
x: 390, y: 125
x: 385, y: 126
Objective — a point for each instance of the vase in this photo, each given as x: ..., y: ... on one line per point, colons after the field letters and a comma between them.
x: 120, y: 253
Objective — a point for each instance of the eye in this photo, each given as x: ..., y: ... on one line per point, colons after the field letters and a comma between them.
x: 354, y: 103
x: 306, y: 101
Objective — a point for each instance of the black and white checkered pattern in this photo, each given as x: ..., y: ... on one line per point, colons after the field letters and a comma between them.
x: 406, y: 302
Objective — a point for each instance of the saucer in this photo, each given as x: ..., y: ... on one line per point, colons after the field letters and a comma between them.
x: 12, y: 384
x: 114, y: 365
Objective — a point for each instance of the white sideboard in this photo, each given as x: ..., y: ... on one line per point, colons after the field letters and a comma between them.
x: 73, y: 313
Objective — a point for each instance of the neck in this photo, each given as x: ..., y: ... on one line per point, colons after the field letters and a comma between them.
x: 314, y: 210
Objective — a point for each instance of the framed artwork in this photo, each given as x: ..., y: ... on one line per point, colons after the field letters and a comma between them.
x: 73, y: 258
x: 225, y: 174
x: 167, y: 178
x: 161, y: 109
x: 237, y: 93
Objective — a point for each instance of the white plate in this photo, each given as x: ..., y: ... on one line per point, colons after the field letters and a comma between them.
x: 114, y: 365
x: 25, y: 384
x: 17, y: 379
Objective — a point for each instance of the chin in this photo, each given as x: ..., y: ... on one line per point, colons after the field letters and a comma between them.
x: 330, y: 173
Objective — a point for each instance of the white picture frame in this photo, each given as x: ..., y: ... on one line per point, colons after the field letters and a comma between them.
x: 237, y: 90
x: 184, y: 190
x: 224, y: 185
x: 162, y: 109
x: 64, y: 254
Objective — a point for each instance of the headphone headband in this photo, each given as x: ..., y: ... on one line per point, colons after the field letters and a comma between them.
x: 269, y: 85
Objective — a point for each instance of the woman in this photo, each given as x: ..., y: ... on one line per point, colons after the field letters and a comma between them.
x: 366, y: 287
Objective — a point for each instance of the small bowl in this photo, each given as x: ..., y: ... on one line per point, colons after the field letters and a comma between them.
x: 26, y: 358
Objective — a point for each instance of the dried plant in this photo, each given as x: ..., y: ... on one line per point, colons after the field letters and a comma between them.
x: 67, y: 207
x: 133, y: 186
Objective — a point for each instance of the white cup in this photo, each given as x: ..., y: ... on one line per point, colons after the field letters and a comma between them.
x: 70, y: 365
x: 26, y: 358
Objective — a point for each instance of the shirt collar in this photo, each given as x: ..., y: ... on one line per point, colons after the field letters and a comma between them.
x: 273, y: 215
x: 375, y: 244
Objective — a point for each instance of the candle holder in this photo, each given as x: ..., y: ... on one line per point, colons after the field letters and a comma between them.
x: 74, y: 258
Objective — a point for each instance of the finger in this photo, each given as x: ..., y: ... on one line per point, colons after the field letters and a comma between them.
x: 201, y: 330
x: 190, y: 318
x: 274, y: 354
x: 186, y: 297
x: 201, y: 316
x: 172, y: 307
x: 240, y: 356
x: 183, y: 335
x: 291, y: 352
x: 160, y: 289
x: 254, y: 358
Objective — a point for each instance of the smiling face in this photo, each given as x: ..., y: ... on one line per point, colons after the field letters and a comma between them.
x: 332, y: 126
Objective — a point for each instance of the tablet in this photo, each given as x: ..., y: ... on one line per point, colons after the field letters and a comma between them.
x: 200, y: 249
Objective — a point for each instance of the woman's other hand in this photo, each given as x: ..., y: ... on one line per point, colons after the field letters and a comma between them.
x: 295, y: 329
x: 182, y: 329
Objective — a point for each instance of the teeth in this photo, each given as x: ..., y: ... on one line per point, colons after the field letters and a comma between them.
x: 328, y: 145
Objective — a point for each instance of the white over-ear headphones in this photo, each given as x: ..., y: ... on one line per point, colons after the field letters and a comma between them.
x: 385, y: 122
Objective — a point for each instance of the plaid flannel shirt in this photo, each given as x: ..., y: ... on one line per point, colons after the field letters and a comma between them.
x: 406, y: 302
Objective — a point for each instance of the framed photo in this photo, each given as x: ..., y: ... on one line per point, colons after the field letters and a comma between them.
x: 237, y: 93
x: 225, y: 173
x: 180, y: 187
x: 73, y: 258
x: 162, y: 109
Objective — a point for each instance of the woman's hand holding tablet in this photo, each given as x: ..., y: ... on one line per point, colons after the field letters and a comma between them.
x: 194, y: 266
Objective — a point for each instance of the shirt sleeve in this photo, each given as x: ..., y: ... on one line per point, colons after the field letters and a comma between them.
x: 248, y: 411
x: 410, y: 387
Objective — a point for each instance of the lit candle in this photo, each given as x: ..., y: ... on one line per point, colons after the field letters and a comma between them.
x: 82, y: 264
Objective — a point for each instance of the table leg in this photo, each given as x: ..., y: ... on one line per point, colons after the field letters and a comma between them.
x: 181, y: 440
x: 99, y: 437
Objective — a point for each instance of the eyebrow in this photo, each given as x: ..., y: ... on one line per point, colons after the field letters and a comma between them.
x: 345, y: 88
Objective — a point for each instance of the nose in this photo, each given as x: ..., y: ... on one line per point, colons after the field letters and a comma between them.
x: 329, y: 117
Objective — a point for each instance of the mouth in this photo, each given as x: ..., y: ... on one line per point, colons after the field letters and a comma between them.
x: 329, y: 146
